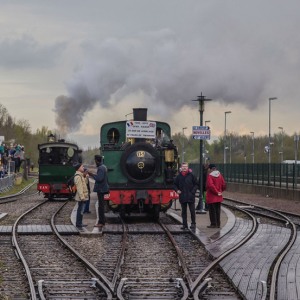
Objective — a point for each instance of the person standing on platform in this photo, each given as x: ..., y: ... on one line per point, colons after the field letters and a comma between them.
x: 87, y: 181
x: 185, y: 184
x: 215, y: 185
x: 101, y: 187
x: 81, y: 195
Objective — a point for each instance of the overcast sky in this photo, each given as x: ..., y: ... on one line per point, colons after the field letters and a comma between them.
x: 72, y: 65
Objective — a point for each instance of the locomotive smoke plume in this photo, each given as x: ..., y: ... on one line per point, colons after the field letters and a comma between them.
x: 168, y: 71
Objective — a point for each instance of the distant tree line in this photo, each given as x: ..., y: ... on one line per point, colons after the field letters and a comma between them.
x: 239, y: 148
x: 19, y: 132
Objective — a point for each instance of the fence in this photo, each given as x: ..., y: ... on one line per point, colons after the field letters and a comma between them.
x: 278, y: 175
x: 6, y: 183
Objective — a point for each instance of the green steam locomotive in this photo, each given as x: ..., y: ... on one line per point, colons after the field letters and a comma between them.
x: 142, y: 161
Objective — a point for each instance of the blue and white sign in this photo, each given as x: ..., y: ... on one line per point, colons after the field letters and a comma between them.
x: 201, y: 133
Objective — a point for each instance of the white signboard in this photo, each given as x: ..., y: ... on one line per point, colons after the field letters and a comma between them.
x: 2, y: 139
x: 141, y: 129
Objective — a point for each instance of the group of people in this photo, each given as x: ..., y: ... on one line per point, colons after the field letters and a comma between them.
x: 14, y: 153
x: 186, y: 185
x: 82, y: 196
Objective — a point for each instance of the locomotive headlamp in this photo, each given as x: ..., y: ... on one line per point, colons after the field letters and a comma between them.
x: 169, y: 155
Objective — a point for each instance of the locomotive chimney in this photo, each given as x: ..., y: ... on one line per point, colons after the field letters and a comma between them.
x: 140, y: 114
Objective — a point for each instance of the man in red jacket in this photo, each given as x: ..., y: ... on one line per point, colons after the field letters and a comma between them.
x: 215, y: 185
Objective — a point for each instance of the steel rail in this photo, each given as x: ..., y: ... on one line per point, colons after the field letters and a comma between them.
x: 106, y: 285
x: 197, y: 286
x: 282, y: 255
x: 180, y: 256
x: 292, y: 239
x: 19, y: 252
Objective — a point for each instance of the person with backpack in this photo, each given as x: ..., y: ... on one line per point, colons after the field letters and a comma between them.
x: 101, y: 187
x: 186, y: 185
x: 81, y: 195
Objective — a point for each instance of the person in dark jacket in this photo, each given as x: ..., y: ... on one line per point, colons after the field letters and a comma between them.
x: 215, y: 185
x: 101, y: 187
x: 186, y: 185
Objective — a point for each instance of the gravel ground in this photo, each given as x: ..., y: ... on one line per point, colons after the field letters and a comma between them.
x: 291, y: 206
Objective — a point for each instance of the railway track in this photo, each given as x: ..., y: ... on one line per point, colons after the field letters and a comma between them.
x: 53, y: 270
x: 141, y: 259
x: 270, y: 253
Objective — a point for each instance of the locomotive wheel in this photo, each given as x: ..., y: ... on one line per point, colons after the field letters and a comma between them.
x: 140, y: 163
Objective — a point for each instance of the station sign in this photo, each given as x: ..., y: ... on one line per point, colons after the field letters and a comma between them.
x: 201, y: 133
x: 141, y: 129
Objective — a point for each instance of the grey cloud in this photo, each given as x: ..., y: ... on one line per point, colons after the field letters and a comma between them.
x: 235, y: 55
x: 26, y: 52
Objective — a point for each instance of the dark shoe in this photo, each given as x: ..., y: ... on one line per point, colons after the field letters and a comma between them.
x: 84, y: 225
x: 211, y: 226
x: 87, y: 212
x: 184, y: 228
x: 218, y: 226
x: 80, y: 228
x: 193, y: 226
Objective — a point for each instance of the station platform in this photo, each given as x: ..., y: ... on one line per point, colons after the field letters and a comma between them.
x: 202, y: 220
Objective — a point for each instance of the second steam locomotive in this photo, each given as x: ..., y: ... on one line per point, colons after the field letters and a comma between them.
x: 141, y: 160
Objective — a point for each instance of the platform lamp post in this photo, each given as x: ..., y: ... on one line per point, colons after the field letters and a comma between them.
x: 269, y: 146
x: 204, y: 144
x: 201, y: 100
x: 252, y: 132
x: 296, y: 140
x: 225, y: 137
x: 183, y: 143
x: 281, y: 152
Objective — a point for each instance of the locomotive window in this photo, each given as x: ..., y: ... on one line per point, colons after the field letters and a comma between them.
x: 70, y: 152
x: 113, y: 135
x: 48, y: 150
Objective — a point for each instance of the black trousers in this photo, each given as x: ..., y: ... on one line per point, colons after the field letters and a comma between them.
x: 215, y: 213
x: 101, y: 215
x: 184, y: 212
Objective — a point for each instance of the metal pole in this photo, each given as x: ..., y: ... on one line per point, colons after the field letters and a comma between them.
x: 204, y: 144
x: 225, y: 137
x: 296, y: 139
x: 252, y: 132
x: 201, y: 99
x: 281, y: 153
x: 269, y: 146
x: 183, y: 143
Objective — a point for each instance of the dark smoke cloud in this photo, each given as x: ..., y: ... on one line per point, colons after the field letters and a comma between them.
x: 232, y: 59
x: 165, y: 69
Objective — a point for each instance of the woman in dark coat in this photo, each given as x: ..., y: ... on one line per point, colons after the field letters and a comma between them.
x: 186, y: 185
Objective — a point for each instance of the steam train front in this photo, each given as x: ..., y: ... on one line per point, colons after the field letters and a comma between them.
x: 56, y: 159
x: 141, y: 161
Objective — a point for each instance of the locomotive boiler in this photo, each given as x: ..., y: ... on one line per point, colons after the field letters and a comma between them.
x: 142, y: 161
